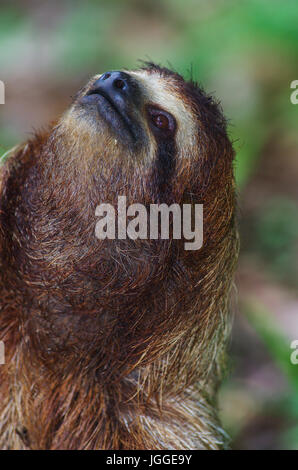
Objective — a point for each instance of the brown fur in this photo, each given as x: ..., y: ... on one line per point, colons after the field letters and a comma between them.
x: 114, y: 344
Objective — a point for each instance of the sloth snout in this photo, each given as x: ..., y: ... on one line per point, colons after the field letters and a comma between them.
x: 115, y: 85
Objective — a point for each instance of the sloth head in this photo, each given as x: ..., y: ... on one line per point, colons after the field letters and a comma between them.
x: 148, y: 132
x: 154, y: 138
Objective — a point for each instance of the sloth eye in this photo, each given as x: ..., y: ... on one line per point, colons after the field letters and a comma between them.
x: 161, y: 120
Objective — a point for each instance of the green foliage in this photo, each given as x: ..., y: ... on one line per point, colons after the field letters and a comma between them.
x: 279, y: 348
x: 276, y: 343
x: 275, y: 238
x: 244, y: 52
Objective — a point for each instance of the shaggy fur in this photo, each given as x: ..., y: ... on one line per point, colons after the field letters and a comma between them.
x: 115, y: 344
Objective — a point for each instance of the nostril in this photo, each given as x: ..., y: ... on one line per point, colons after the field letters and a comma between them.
x: 119, y: 84
x: 105, y: 76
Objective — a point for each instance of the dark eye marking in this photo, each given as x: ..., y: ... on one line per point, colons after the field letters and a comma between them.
x: 161, y: 122
x: 163, y: 126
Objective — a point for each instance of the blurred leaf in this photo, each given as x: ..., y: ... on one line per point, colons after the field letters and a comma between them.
x: 276, y: 343
x: 10, y: 20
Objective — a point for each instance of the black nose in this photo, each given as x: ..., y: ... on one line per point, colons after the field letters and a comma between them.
x: 116, y: 85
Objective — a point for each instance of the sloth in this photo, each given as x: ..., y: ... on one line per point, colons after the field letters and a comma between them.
x: 117, y: 343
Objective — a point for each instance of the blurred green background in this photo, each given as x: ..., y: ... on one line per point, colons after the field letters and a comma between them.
x: 246, y: 54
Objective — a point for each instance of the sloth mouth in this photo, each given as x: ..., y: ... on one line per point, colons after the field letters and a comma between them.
x: 108, y: 110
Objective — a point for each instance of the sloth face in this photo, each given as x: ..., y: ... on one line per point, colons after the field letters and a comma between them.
x: 140, y: 109
x: 149, y: 127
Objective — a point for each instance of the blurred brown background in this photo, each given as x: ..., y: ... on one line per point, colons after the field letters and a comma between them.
x: 246, y: 53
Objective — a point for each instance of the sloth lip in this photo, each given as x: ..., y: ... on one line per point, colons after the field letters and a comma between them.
x: 110, y: 111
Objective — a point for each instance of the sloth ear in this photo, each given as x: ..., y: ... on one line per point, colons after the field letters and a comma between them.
x: 14, y: 164
x: 10, y: 164
x: 11, y: 167
x: 7, y: 154
x: 4, y: 167
x: 7, y: 160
